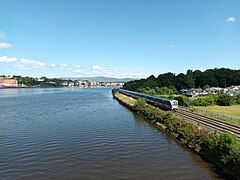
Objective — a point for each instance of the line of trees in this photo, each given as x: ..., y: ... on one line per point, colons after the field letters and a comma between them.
x: 222, y: 77
x: 47, y: 82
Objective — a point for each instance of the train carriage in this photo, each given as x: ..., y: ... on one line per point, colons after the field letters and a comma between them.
x: 164, y: 103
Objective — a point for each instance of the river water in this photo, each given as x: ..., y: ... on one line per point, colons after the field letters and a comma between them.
x: 85, y: 133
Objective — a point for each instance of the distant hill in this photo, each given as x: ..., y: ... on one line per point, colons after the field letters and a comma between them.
x: 100, y: 79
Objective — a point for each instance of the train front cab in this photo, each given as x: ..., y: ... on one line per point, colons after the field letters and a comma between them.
x: 174, y: 104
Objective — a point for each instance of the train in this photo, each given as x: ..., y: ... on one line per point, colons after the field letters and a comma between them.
x: 163, y: 103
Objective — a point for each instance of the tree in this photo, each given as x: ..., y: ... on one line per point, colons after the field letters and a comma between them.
x: 181, y: 84
x: 189, y: 79
x: 151, y: 82
x: 209, y: 78
x: 224, y: 100
x: 167, y: 79
x: 238, y: 98
x: 198, y: 77
x: 212, y: 77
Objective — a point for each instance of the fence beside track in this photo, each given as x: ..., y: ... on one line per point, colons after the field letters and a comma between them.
x: 209, y: 122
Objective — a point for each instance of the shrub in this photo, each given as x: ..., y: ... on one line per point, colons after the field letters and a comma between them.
x: 114, y: 91
x: 203, y: 101
x: 218, y: 147
x: 192, y: 109
x: 139, y: 104
x: 232, y: 165
x: 182, y: 100
x: 224, y: 100
x: 237, y: 98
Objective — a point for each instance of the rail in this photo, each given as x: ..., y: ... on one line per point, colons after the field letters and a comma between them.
x: 209, y: 122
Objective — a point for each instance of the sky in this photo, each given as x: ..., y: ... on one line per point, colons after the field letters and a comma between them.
x: 117, y: 38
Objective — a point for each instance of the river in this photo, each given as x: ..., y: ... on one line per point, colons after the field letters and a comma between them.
x: 84, y: 133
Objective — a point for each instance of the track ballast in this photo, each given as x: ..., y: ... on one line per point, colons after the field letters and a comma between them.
x: 209, y: 122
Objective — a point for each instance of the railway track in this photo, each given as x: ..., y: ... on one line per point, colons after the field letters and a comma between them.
x: 205, y: 121
x: 209, y: 122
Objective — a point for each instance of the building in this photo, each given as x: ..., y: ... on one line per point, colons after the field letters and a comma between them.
x: 70, y: 84
x: 191, y: 93
x: 41, y: 79
x: 64, y: 83
x: 83, y: 83
x: 94, y: 83
x: 194, y: 92
x: 8, y: 82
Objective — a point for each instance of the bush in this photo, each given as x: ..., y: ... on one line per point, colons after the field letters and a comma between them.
x: 192, y: 109
x: 114, y: 91
x: 237, y: 99
x: 218, y: 147
x: 223, y: 151
x: 203, y: 101
x: 232, y: 165
x: 182, y: 100
x: 139, y: 104
x: 224, y: 100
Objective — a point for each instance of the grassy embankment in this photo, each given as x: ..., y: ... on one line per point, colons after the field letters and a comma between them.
x: 226, y: 113
x: 230, y: 110
x: 220, y: 149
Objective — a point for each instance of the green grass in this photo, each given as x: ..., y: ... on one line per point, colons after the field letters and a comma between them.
x: 225, y: 113
x: 126, y: 99
x: 230, y: 110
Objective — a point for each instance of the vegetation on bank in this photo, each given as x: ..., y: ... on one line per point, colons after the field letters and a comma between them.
x: 163, y: 91
x: 222, y: 150
x: 221, y: 99
x: 45, y: 82
x: 222, y: 77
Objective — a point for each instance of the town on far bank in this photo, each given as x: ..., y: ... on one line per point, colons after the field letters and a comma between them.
x: 44, y: 82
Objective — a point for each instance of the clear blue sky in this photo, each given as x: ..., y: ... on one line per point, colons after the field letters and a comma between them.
x: 118, y: 38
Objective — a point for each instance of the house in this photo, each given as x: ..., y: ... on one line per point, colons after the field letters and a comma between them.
x: 233, y: 90
x: 183, y: 91
x: 214, y: 90
x: 8, y: 82
x: 41, y: 79
x: 83, y: 83
x: 71, y: 84
x: 94, y: 84
x: 204, y: 92
x: 191, y: 93
x: 64, y: 83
